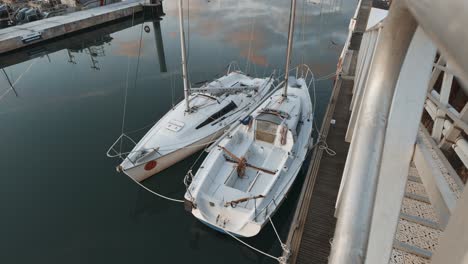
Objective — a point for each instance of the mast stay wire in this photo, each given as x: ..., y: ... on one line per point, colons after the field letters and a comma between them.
x: 249, y: 52
x: 303, y: 20
x: 124, y: 112
x: 138, y: 58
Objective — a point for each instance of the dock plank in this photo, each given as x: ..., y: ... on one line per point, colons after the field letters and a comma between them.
x: 314, y: 223
x: 320, y: 221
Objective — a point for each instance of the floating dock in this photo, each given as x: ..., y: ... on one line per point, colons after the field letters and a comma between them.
x: 314, y: 221
x: 20, y: 36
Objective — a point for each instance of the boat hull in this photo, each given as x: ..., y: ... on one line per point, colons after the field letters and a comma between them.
x: 139, y: 173
x: 216, y: 186
x: 249, y: 230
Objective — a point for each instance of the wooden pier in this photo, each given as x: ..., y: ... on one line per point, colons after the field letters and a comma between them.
x: 313, y: 224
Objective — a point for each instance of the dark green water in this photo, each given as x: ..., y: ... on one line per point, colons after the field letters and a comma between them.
x: 61, y: 200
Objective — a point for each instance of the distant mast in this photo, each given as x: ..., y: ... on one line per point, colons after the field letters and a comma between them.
x: 184, y: 60
x: 292, y: 16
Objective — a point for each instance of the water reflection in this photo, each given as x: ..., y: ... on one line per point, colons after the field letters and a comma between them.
x: 63, y: 200
x: 260, y: 30
x: 91, y: 42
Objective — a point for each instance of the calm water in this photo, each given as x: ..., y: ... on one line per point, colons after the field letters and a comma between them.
x: 61, y: 200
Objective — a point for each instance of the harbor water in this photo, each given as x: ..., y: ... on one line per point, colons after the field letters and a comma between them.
x: 61, y: 199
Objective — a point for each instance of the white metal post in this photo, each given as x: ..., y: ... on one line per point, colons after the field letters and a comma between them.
x: 402, y: 128
x: 448, y: 31
x: 444, y: 98
x: 353, y: 225
x: 435, y: 73
x: 453, y: 244
x: 357, y: 98
x: 361, y: 55
x: 432, y: 176
x: 454, y: 132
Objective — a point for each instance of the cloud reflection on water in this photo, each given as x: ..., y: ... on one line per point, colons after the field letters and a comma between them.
x: 258, y: 28
x: 128, y: 48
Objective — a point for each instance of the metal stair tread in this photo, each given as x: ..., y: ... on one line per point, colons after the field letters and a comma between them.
x: 415, y: 188
x: 413, y: 250
x: 414, y: 179
x: 421, y: 221
x: 402, y: 257
x: 417, y: 236
x: 417, y: 197
x: 420, y: 209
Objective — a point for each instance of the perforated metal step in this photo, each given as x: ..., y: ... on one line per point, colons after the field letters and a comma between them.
x: 418, y: 229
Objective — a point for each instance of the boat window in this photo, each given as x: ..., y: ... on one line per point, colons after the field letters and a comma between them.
x: 266, y: 131
x: 267, y: 125
x: 228, y: 108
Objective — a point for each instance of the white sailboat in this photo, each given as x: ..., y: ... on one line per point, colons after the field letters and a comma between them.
x: 195, y: 122
x: 249, y: 171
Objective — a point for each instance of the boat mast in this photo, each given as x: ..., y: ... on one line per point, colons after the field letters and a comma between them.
x: 292, y: 16
x: 184, y: 60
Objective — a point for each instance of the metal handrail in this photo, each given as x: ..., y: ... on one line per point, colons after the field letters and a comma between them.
x: 365, y: 154
x: 447, y: 31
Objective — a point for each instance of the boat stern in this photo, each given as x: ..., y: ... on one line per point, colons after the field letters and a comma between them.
x: 225, y: 219
x: 250, y: 229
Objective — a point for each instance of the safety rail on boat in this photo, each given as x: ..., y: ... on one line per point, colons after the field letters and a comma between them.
x: 235, y: 67
x: 272, y: 202
x: 304, y: 71
x: 117, y: 141
x: 265, y: 209
x: 394, y: 83
x: 112, y: 152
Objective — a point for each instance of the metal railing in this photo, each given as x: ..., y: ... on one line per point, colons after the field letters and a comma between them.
x: 394, y: 71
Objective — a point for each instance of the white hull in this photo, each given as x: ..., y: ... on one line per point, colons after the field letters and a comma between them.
x: 274, y: 145
x: 139, y: 174
x: 179, y: 134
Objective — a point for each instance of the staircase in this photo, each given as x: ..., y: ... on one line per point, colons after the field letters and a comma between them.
x: 418, y: 229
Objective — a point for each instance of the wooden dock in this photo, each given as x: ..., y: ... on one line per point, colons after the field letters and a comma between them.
x: 313, y: 224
